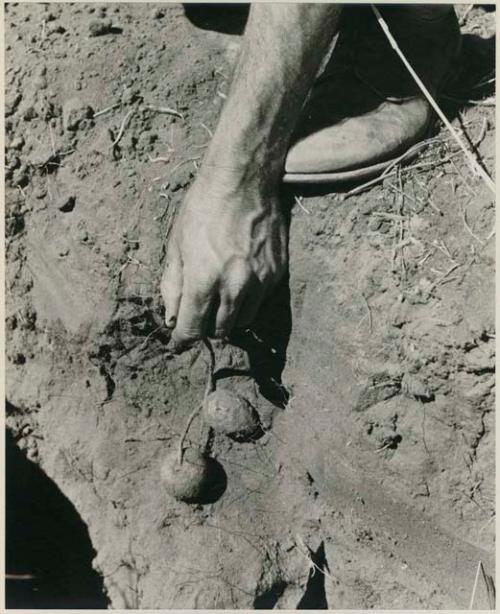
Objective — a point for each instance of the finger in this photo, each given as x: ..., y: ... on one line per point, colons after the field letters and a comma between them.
x: 227, y: 312
x: 194, y: 312
x: 171, y: 286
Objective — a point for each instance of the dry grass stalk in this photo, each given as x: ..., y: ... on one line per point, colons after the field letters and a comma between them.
x: 475, y: 166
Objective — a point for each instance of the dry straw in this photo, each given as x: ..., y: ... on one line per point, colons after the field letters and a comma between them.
x: 476, y: 168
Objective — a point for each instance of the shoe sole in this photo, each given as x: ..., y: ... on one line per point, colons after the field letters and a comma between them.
x: 359, y: 174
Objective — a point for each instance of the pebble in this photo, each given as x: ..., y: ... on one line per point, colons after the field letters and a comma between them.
x: 100, y: 27
x: 74, y: 112
x: 56, y: 29
x: 158, y: 13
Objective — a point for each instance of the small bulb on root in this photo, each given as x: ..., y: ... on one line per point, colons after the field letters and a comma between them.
x: 197, y: 479
x: 229, y: 413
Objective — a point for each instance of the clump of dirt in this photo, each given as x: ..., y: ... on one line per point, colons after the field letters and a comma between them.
x: 372, y: 371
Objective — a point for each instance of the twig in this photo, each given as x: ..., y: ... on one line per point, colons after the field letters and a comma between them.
x: 122, y: 127
x: 160, y: 159
x: 444, y: 276
x: 368, y: 184
x: 464, y: 180
x: 391, y: 167
x: 369, y: 313
x: 482, y: 134
x: 306, y: 551
x: 471, y: 604
x: 492, y: 233
x: 484, y: 81
x: 486, y: 524
x: 490, y: 588
x: 298, y: 200
x: 185, y: 162
x: 165, y: 110
x: 107, y: 110
x: 475, y: 167
x: 468, y: 228
x: 185, y: 432
x: 389, y: 216
x: 488, y: 102
x: 210, y: 387
x: 205, y: 127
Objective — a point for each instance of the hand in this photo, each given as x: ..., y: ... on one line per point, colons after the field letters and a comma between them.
x: 228, y: 248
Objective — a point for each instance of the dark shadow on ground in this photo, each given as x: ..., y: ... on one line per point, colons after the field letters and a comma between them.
x: 48, y: 549
x: 315, y: 596
x: 225, y: 18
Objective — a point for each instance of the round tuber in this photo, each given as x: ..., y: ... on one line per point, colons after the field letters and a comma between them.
x: 229, y: 413
x: 185, y: 481
x: 197, y: 479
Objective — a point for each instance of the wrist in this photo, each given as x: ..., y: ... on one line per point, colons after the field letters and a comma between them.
x: 245, y: 159
x: 242, y: 188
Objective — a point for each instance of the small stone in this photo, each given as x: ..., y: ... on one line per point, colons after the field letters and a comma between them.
x: 130, y: 95
x: 100, y: 27
x: 74, y: 112
x: 56, y: 29
x: 158, y: 13
x: 414, y: 387
x: 29, y: 113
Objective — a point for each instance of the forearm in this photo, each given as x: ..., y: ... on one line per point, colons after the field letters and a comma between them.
x: 282, y: 52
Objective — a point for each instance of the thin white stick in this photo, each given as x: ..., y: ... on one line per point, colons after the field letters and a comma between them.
x: 471, y: 604
x: 298, y: 200
x: 165, y: 110
x: 476, y: 168
x: 106, y: 110
x: 122, y: 127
